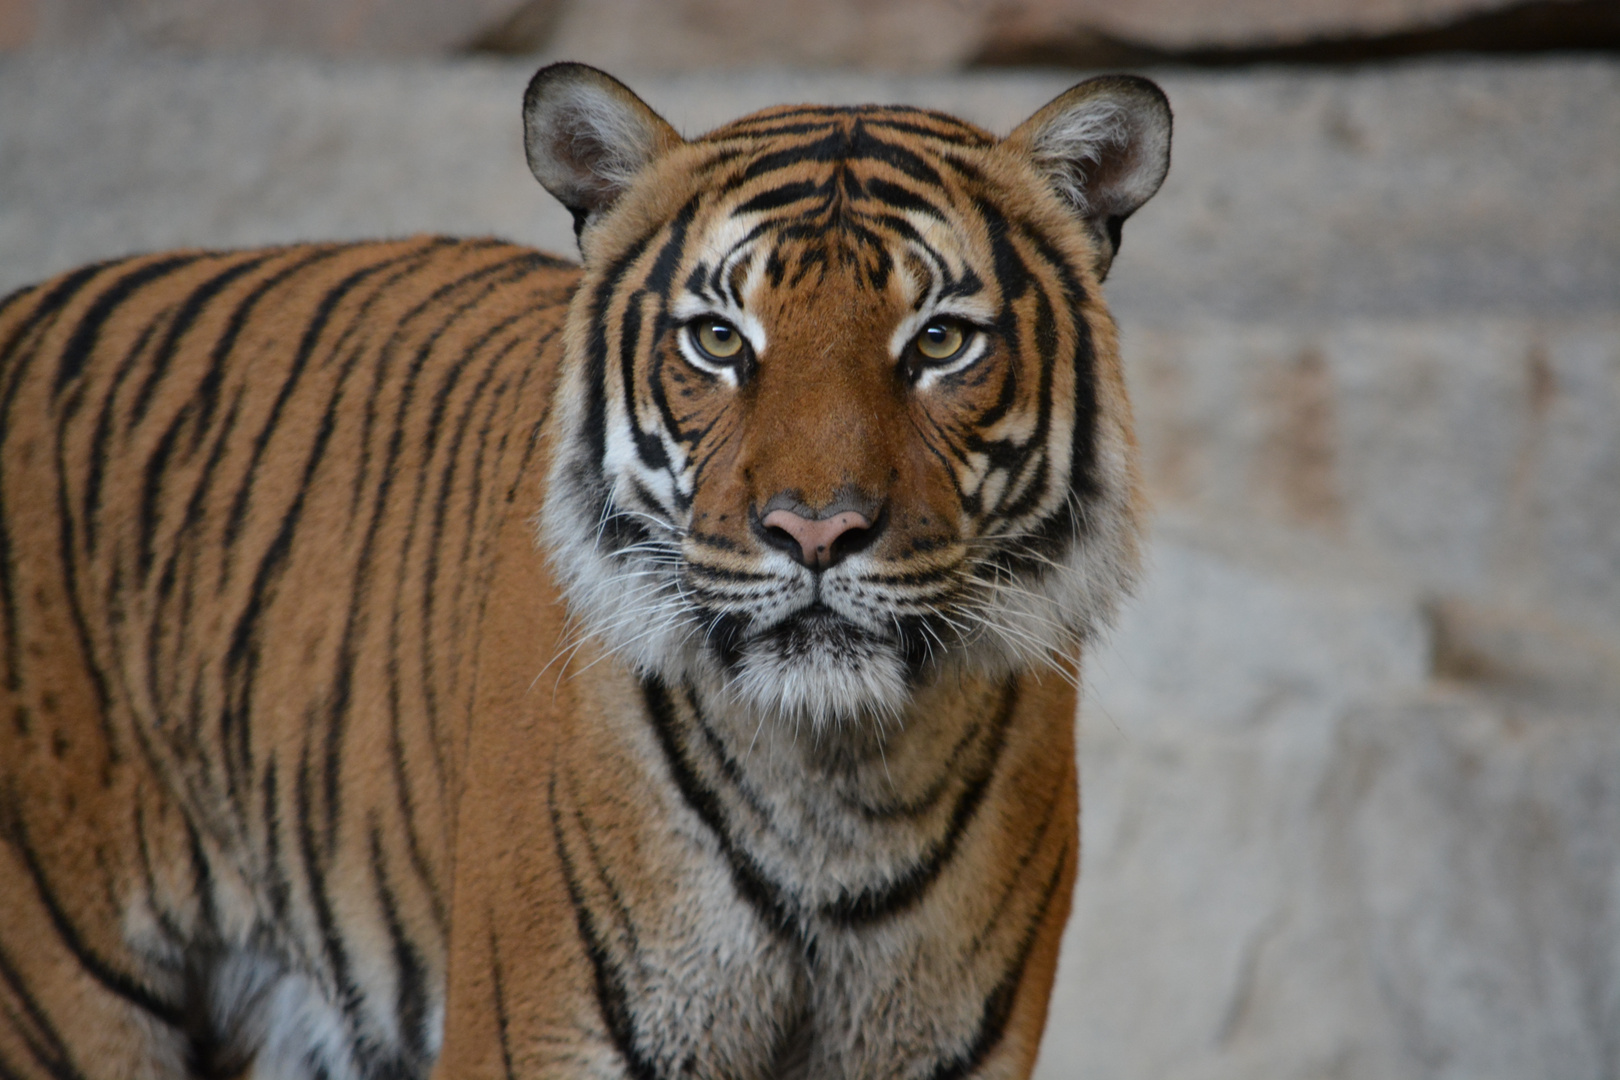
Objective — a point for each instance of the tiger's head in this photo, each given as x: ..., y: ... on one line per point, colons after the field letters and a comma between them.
x: 842, y: 405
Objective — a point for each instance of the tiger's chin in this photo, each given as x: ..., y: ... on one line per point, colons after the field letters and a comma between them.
x: 820, y: 669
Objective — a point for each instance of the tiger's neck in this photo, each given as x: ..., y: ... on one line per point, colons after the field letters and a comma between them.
x: 846, y: 823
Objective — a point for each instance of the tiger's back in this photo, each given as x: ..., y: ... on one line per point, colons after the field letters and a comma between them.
x: 237, y: 497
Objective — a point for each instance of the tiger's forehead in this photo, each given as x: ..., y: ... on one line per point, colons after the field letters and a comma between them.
x: 791, y: 123
x: 800, y: 194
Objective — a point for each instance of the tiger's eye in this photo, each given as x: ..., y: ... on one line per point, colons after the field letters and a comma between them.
x: 940, y: 340
x: 718, y: 340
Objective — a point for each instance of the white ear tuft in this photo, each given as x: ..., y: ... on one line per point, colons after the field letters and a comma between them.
x: 588, y: 136
x: 1104, y: 145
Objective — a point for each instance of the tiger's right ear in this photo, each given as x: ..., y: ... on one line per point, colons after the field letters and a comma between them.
x: 587, y: 136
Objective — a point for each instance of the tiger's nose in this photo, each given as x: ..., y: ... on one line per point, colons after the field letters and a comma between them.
x: 818, y: 543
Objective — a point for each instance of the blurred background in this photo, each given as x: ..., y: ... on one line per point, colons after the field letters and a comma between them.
x: 1351, y: 762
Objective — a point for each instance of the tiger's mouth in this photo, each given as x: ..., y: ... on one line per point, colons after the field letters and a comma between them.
x: 815, y: 630
x: 820, y: 665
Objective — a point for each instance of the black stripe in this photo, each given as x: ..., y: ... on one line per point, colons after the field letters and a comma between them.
x: 1037, y: 839
x: 339, y: 695
x: 151, y: 501
x: 612, y: 999
x: 206, y: 401
x: 864, y: 146
x: 143, y: 848
x: 50, y: 304
x: 76, y: 353
x: 405, y: 799
x: 902, y: 198
x: 504, y: 389
x: 97, y: 967
x: 68, y: 555
x: 337, y: 956
x: 924, y: 803
x: 278, y: 884
x: 780, y: 196
x: 44, y: 1042
x: 860, y: 909
x: 596, y: 350
x: 97, y: 456
x: 426, y: 639
x: 15, y: 296
x: 503, y: 1022
x: 649, y: 448
x: 207, y: 392
x: 185, y: 316
x: 751, y: 882
x: 951, y: 131
x: 998, y: 1004
x: 411, y: 975
x: 386, y: 353
x: 830, y: 147
x: 184, y: 319
x: 730, y: 768
x: 202, y: 879
x: 413, y: 843
x: 1012, y: 276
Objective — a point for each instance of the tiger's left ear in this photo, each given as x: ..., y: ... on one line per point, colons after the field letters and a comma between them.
x: 1105, y: 147
x: 587, y: 136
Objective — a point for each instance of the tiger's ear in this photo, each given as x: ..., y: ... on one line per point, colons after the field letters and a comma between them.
x: 587, y: 136
x: 1105, y: 147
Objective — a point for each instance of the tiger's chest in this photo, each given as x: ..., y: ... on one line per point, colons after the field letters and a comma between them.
x: 780, y: 900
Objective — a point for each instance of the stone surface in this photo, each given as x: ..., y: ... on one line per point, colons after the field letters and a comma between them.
x: 1208, y: 902
x: 1246, y: 33
x: 1475, y: 458
x: 333, y: 27
x: 1306, y: 856
x: 702, y: 35
x: 1186, y: 24
x: 1352, y: 761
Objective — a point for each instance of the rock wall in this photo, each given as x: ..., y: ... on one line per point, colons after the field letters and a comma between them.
x: 1352, y: 760
x: 911, y: 35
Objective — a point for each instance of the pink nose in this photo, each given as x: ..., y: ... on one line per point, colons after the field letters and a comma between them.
x: 816, y: 539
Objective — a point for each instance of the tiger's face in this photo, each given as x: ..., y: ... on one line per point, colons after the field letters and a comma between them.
x: 842, y: 406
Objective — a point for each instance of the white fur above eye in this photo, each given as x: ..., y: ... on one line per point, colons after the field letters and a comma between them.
x: 688, y: 309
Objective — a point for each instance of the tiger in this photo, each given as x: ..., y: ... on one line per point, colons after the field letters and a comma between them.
x: 432, y: 657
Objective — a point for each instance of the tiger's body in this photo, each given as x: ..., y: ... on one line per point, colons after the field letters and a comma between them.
x: 312, y: 765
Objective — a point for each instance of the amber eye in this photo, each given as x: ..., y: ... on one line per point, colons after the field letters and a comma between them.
x: 941, y: 340
x: 716, y: 339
